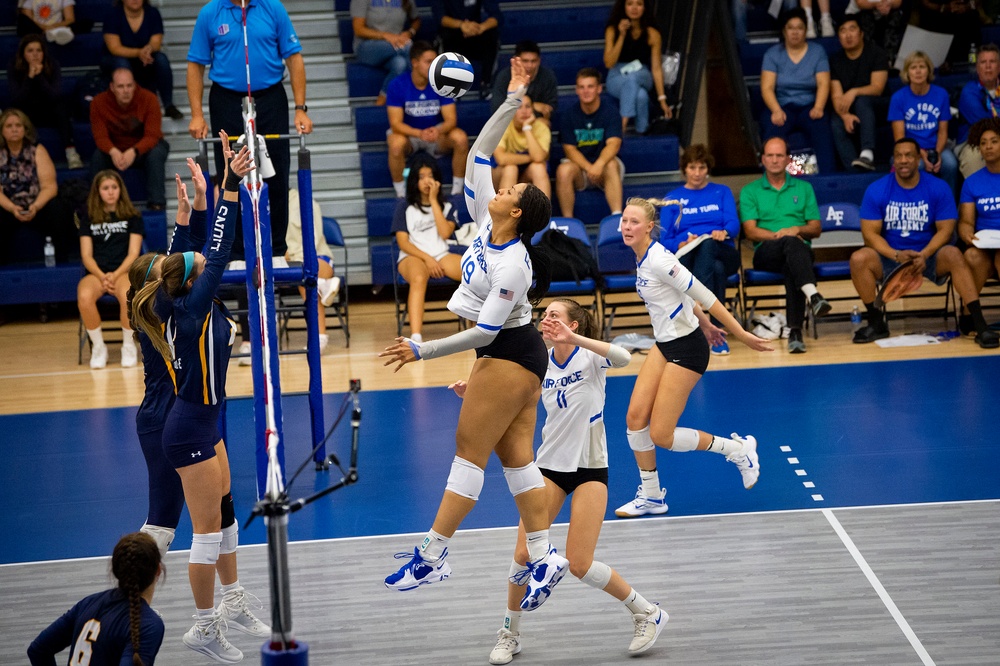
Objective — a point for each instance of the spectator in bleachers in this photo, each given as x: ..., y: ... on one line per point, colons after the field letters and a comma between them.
x: 29, y: 189
x: 739, y: 10
x: 110, y: 240
x: 706, y: 209
x: 858, y: 75
x: 523, y: 153
x: 126, y: 122
x: 133, y: 37
x: 472, y: 28
x: 795, y: 86
x: 979, y: 209
x: 591, y: 136
x: 420, y: 119
x: 56, y: 19
x: 423, y: 223
x: 980, y: 99
x: 35, y: 87
x: 921, y: 111
x: 825, y: 20
x: 632, y: 52
x: 883, y: 22
x: 906, y: 216
x: 382, y: 38
x: 543, y: 88
x: 327, y: 284
x: 781, y: 217
x: 958, y: 18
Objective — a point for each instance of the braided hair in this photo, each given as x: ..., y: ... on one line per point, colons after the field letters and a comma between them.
x: 136, y: 563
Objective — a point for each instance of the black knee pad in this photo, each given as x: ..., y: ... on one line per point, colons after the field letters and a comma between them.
x: 228, y: 510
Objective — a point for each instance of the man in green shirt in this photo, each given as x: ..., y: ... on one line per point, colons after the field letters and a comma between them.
x: 780, y: 215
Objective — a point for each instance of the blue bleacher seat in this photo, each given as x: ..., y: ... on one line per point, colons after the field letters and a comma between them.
x: 553, y: 24
x: 565, y: 64
x: 38, y: 284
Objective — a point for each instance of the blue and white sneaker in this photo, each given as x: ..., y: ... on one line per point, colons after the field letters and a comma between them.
x: 746, y: 460
x: 721, y: 350
x: 647, y: 628
x: 545, y: 575
x: 642, y: 505
x: 417, y: 571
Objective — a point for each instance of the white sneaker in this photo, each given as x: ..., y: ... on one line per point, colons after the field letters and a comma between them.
x: 235, y: 611
x: 826, y: 26
x: 418, y: 571
x: 62, y: 35
x: 73, y: 159
x: 245, y: 349
x: 545, y: 574
x: 328, y: 289
x: 98, y: 356
x: 211, y: 642
x: 647, y: 628
x: 130, y: 356
x: 746, y: 460
x: 643, y: 505
x: 507, y: 646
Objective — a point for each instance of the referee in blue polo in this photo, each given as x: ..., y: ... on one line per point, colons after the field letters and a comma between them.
x: 217, y: 42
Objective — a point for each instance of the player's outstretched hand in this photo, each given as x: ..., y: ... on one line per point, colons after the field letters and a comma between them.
x: 400, y: 353
x: 518, y: 76
x: 556, y: 331
x: 242, y: 162
x: 459, y: 387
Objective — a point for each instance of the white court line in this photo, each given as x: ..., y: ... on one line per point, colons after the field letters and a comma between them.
x: 925, y: 658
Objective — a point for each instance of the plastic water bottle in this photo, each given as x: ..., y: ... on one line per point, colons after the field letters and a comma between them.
x: 50, y: 253
x: 972, y: 53
x: 855, y: 318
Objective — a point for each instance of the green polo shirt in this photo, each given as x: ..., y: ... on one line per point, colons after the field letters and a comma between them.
x: 792, y: 205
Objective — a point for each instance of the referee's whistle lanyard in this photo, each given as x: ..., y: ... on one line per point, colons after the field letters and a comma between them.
x: 991, y: 101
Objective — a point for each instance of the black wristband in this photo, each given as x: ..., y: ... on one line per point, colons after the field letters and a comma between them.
x: 232, y: 182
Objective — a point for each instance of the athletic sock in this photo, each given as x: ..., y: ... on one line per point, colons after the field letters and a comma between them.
x: 204, y: 616
x: 976, y: 312
x: 868, y: 154
x: 231, y: 590
x: 433, y: 546
x: 128, y: 340
x: 650, y: 482
x: 512, y: 621
x: 636, y: 604
x: 724, y: 445
x: 96, y: 338
x: 457, y: 185
x: 400, y: 188
x: 809, y: 290
x: 538, y: 545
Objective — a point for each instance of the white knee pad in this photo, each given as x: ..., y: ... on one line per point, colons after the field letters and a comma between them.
x: 163, y: 536
x: 685, y: 439
x: 639, y: 440
x: 598, y: 575
x: 465, y: 479
x: 522, y: 479
x: 205, y: 548
x: 230, y: 539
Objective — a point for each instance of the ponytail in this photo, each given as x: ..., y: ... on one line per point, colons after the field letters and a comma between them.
x: 138, y: 275
x: 143, y: 317
x: 585, y: 324
x: 136, y: 563
x: 536, y: 211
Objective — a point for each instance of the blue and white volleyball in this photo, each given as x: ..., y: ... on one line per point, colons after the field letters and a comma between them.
x: 451, y: 75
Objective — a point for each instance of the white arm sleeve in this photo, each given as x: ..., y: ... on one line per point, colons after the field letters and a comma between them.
x: 618, y: 356
x: 470, y: 338
x: 478, y: 172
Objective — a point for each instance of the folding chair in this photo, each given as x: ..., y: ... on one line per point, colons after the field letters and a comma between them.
x: 400, y: 292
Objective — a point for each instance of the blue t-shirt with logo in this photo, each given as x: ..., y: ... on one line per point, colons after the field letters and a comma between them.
x: 704, y: 211
x: 909, y: 216
x: 421, y: 106
x: 921, y: 113
x: 983, y: 189
x: 589, y: 132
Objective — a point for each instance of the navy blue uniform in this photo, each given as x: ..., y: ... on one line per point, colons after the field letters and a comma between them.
x: 200, y: 332
x: 166, y: 496
x: 98, y: 630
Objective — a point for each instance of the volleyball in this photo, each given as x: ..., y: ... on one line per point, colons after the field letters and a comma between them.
x: 451, y: 75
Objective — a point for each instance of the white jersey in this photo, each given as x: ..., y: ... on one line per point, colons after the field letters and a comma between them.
x: 663, y: 283
x: 573, y: 394
x: 495, y: 278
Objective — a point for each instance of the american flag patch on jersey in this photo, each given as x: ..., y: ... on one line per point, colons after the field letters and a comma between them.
x: 672, y: 272
x: 506, y: 295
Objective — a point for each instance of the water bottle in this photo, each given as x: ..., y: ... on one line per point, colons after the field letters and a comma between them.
x: 855, y: 318
x: 972, y: 53
x: 50, y: 253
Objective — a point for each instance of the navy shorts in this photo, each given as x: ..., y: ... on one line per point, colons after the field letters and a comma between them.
x: 522, y: 345
x: 689, y: 352
x: 190, y: 433
x: 930, y: 269
x: 570, y: 481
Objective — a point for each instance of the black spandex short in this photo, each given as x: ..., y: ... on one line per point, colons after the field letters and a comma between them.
x: 522, y: 345
x: 570, y: 481
x: 689, y: 352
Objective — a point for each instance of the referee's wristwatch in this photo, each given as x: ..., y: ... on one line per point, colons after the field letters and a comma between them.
x: 302, y: 107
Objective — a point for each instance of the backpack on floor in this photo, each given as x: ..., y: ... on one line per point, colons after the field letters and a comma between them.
x: 570, y: 258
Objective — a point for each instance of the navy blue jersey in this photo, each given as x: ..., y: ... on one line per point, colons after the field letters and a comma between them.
x: 197, y: 325
x: 159, y: 396
x: 98, y: 632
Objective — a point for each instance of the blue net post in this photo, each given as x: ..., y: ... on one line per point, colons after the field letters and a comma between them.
x: 310, y: 270
x: 253, y: 321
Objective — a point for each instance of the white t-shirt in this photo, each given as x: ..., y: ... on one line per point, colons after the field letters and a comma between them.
x: 46, y: 12
x: 573, y: 394
x: 662, y: 282
x: 422, y: 229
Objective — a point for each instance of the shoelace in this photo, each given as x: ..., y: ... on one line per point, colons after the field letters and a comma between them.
x: 640, y: 627
x: 522, y: 576
x: 506, y: 641
x: 245, y: 601
x: 219, y: 625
